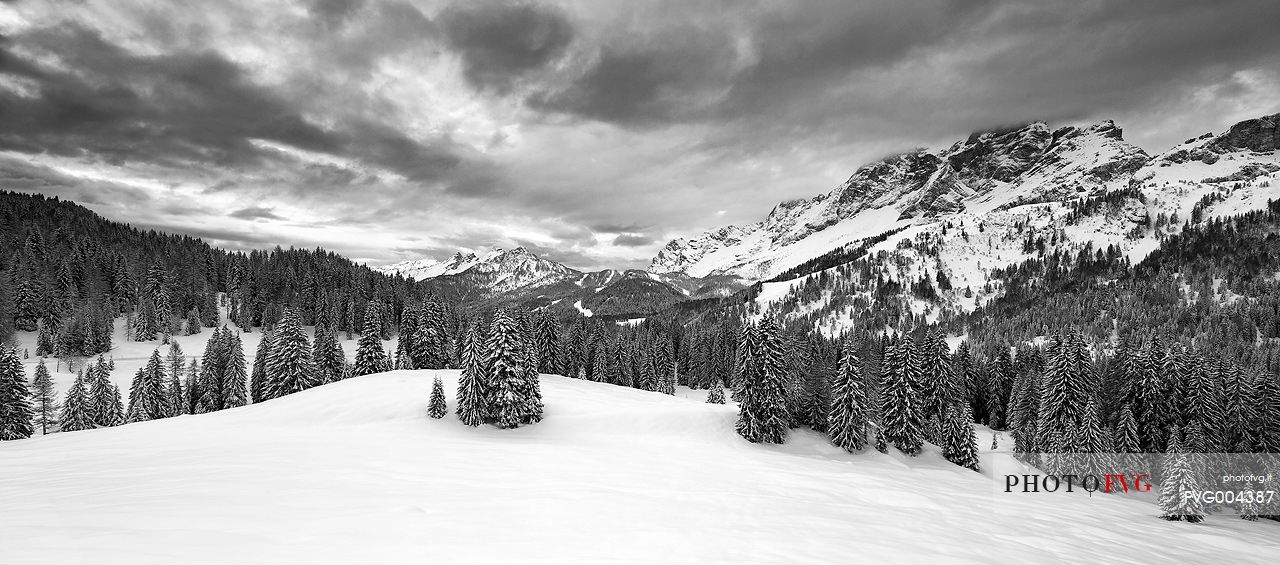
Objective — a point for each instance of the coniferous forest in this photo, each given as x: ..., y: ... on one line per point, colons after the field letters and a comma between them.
x: 1179, y: 353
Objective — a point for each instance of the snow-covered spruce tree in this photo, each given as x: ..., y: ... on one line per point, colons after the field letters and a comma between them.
x: 213, y: 366
x: 74, y: 415
x: 44, y: 340
x: 234, y: 374
x: 175, y: 398
x: 15, y: 398
x: 370, y: 356
x: 900, y: 417
x: 191, y: 391
x: 715, y: 395
x: 1125, y: 437
x: 847, y: 420
x: 258, y: 390
x: 1065, y: 394
x: 648, y: 375
x: 146, y: 394
x: 44, y: 399
x: 939, y: 387
x: 547, y: 337
x: 1242, y: 408
x: 1204, y: 397
x: 762, y: 410
x: 1092, y: 442
x: 513, y: 401
x: 471, y: 409
x: 100, y: 402
x: 599, y: 363
x: 407, y: 341
x: 193, y: 321
x: 115, y: 407
x: 1267, y: 435
x: 328, y: 355
x: 289, y: 368
x: 175, y: 366
x: 960, y: 443
x: 428, y: 350
x: 1178, y: 479
x: 1153, y: 406
x: 437, y: 407
x: 667, y: 382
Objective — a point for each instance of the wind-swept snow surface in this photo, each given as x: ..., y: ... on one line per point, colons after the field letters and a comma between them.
x: 355, y: 472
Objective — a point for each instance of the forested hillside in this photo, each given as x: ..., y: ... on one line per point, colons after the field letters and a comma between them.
x: 68, y: 272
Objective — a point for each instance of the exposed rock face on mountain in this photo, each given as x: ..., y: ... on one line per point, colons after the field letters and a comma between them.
x: 987, y: 171
x: 1258, y: 135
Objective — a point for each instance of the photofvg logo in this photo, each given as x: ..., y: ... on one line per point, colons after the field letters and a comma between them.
x: 1185, y: 485
x: 1107, y: 483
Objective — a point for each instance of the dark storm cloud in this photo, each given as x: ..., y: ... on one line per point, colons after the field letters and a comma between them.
x: 255, y: 213
x: 179, y: 109
x: 857, y: 69
x: 500, y: 41
x: 677, y: 72
x: 117, y: 106
x: 664, y: 78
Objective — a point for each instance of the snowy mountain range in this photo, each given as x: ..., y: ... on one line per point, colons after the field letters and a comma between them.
x: 962, y: 211
x: 520, y: 276
x: 989, y: 171
x: 421, y: 269
x: 988, y: 202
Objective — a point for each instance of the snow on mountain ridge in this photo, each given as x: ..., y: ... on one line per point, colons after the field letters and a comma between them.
x: 419, y: 269
x: 986, y: 171
x: 958, y: 255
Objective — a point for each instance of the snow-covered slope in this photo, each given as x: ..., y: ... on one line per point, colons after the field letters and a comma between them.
x: 988, y: 171
x: 354, y: 472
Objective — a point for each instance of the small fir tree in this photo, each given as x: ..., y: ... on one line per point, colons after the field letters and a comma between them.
x: 74, y: 415
x: 437, y: 407
x: 1179, y: 479
x: 715, y: 395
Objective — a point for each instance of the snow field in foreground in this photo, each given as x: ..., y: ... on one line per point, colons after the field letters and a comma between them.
x: 354, y: 472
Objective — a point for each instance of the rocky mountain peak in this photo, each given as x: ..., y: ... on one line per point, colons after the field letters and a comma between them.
x: 1260, y: 135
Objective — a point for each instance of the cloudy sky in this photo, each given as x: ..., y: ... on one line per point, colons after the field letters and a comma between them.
x: 591, y: 130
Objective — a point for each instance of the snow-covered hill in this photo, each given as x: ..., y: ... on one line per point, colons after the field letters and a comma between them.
x: 354, y: 472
